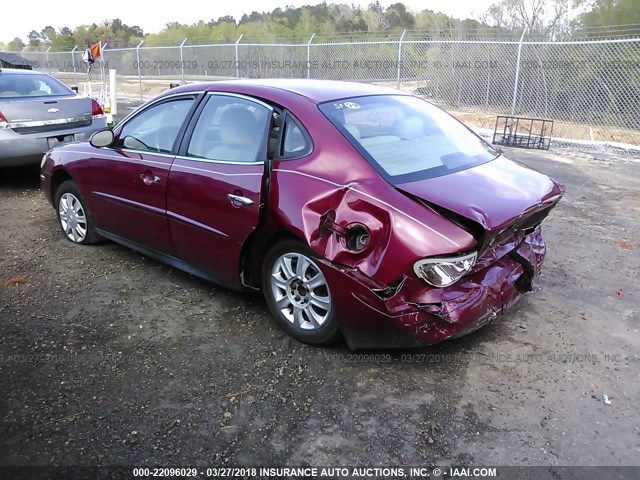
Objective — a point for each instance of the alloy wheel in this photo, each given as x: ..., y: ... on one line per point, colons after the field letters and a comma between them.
x: 300, y: 291
x: 72, y: 217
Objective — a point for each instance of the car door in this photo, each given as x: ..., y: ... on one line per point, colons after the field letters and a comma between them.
x: 129, y: 179
x: 214, y: 190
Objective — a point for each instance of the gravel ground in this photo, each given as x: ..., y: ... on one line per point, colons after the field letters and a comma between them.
x: 110, y: 358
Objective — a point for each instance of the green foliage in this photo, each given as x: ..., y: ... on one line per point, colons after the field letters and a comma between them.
x: 611, y: 12
x: 16, y: 45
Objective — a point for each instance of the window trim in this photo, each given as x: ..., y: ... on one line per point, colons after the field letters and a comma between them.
x: 151, y: 103
x: 188, y: 133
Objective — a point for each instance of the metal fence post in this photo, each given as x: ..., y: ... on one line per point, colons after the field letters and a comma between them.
x: 103, y: 75
x: 515, y: 84
x: 103, y: 61
x: 182, y: 59
x: 309, y: 55
x: 237, y: 59
x: 400, y: 58
x: 46, y: 59
x: 73, y: 62
x: 138, y: 65
x: 486, y: 97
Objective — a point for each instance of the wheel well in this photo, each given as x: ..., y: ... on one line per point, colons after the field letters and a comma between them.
x: 254, y: 250
x: 59, y: 177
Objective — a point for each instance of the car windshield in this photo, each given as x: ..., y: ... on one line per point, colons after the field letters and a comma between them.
x: 406, y: 138
x: 30, y: 85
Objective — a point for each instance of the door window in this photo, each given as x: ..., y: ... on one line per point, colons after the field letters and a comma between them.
x: 231, y: 129
x: 156, y: 128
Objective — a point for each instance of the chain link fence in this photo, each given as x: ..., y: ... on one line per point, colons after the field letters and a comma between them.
x: 590, y: 88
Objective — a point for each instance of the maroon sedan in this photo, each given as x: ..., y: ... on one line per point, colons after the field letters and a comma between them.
x: 357, y: 210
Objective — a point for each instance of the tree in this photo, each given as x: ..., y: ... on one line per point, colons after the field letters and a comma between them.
x: 345, y: 18
x: 373, y: 17
x: 545, y: 17
x: 34, y: 39
x: 48, y: 34
x: 306, y: 24
x: 63, y: 41
x: 226, y: 19
x: 16, y: 45
x: 254, y: 17
x: 610, y: 12
x: 398, y: 17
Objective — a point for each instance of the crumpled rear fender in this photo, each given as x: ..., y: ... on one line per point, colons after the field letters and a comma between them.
x: 401, y: 231
x: 410, y: 313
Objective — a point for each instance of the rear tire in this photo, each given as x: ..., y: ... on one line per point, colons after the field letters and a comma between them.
x: 298, y: 294
x: 74, y: 216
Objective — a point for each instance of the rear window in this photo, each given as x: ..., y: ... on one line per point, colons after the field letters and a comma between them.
x: 405, y: 138
x: 31, y: 85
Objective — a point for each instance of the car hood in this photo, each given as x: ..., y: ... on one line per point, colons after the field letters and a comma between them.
x: 496, y: 194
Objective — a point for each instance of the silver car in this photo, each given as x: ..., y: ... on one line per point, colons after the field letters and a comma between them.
x: 38, y: 112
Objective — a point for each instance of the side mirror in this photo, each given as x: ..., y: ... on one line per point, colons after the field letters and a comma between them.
x: 102, y: 138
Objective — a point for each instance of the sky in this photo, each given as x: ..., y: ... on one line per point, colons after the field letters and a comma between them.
x: 152, y: 19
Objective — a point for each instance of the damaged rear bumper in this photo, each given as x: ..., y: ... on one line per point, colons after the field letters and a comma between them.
x: 414, y: 314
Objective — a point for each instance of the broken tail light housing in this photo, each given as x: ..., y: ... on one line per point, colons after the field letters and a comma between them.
x: 442, y: 272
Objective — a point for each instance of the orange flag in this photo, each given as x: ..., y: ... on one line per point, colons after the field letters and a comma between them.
x: 96, y: 51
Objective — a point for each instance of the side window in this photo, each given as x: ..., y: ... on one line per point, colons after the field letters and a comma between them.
x: 294, y: 143
x: 230, y: 129
x: 156, y: 128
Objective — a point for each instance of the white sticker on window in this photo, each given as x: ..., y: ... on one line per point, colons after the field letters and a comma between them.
x: 351, y: 105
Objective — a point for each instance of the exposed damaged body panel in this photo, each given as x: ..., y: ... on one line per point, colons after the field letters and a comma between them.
x: 415, y: 314
x: 395, y: 234
x: 498, y: 195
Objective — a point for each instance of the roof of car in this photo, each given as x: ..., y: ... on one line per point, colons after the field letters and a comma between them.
x: 315, y: 90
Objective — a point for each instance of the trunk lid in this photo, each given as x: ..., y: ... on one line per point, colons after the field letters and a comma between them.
x: 500, y: 195
x: 42, y: 114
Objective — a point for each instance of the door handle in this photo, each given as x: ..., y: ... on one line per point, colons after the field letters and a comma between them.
x: 239, y: 199
x: 149, y: 179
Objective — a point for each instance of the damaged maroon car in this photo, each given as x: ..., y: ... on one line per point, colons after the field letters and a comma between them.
x: 356, y: 209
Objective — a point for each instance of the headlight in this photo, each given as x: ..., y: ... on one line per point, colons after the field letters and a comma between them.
x: 442, y: 272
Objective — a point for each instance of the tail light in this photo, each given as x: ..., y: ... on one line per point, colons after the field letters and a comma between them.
x: 442, y: 272
x: 3, y: 121
x: 96, y: 109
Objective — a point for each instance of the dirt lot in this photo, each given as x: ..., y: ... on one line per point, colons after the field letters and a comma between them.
x: 110, y: 358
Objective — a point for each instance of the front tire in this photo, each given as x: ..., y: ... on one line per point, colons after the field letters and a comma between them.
x: 298, y: 294
x: 74, y: 216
